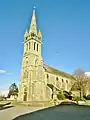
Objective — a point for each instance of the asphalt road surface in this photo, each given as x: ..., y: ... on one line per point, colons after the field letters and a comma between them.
x: 60, y: 112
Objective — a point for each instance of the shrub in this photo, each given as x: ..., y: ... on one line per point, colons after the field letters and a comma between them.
x: 78, y: 99
x: 60, y: 96
x: 88, y: 97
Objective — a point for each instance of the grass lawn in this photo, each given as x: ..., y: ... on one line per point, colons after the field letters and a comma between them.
x: 87, y: 101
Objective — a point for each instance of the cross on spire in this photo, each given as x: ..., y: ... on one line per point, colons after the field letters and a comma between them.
x: 34, y: 7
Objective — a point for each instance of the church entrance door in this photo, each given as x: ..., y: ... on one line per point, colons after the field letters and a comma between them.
x: 25, y: 96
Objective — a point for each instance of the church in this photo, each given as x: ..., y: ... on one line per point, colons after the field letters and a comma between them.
x: 39, y: 82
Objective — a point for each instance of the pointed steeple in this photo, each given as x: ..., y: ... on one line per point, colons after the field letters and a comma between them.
x: 33, y: 26
x: 26, y: 34
x: 40, y: 35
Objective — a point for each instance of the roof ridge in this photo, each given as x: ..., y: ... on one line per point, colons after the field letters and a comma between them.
x: 53, y: 70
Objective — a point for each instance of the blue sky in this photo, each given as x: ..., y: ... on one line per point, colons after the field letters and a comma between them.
x: 65, y: 25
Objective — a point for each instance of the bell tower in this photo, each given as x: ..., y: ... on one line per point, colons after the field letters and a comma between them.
x: 32, y: 84
x: 33, y: 38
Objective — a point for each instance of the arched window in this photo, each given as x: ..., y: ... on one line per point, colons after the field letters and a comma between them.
x: 57, y: 78
x: 25, y: 94
x: 32, y: 34
x: 26, y: 60
x: 57, y: 82
x: 29, y: 45
x: 27, y: 74
x: 67, y: 81
x: 26, y: 38
x: 37, y: 47
x: 24, y: 75
x: 62, y: 80
x: 34, y: 45
x: 47, y: 76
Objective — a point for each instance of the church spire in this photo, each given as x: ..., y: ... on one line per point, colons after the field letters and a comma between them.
x: 33, y: 27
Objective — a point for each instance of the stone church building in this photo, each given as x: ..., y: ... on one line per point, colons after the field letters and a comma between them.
x: 39, y: 82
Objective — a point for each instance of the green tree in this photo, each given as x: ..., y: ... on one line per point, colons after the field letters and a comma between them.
x: 13, y: 90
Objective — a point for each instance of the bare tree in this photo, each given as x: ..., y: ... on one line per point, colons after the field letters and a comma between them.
x: 79, y: 72
x: 81, y: 81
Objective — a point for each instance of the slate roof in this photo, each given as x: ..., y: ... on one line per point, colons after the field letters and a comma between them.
x: 52, y: 70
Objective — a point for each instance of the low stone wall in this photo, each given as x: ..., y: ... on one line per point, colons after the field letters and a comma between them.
x: 38, y: 103
x: 81, y: 102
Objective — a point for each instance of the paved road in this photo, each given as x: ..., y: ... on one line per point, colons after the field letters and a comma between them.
x: 61, y: 112
x: 12, y: 112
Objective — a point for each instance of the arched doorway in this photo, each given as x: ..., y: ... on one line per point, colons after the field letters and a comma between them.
x: 25, y: 94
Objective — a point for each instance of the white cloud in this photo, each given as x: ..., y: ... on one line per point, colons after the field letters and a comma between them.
x: 87, y: 74
x: 2, y: 71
